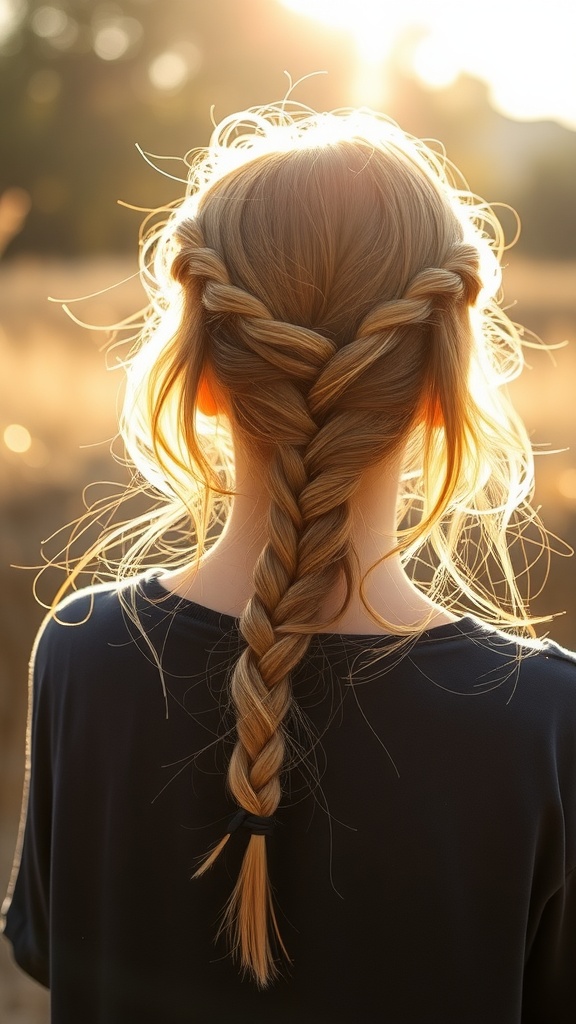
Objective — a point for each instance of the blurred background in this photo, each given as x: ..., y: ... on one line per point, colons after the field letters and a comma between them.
x: 82, y: 82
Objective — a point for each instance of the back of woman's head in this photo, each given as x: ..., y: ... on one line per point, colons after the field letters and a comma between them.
x: 325, y: 270
x: 331, y: 293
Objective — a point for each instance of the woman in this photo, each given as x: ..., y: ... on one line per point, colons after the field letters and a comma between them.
x: 377, y: 787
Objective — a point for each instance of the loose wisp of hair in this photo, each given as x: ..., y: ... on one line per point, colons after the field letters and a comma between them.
x: 325, y: 296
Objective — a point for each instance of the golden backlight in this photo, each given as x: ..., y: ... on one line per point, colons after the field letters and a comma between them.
x: 523, y: 49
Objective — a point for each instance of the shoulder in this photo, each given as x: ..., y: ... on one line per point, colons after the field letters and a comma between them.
x: 542, y: 661
x: 538, y: 676
x: 99, y: 649
x: 551, y: 657
x: 85, y: 611
x: 97, y: 623
x: 535, y: 656
x: 549, y: 671
x: 507, y: 674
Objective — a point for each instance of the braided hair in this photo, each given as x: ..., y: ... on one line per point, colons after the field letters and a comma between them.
x: 336, y: 291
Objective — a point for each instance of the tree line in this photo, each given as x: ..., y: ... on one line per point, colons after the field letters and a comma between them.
x: 82, y: 82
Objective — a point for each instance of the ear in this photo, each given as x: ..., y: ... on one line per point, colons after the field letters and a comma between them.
x: 205, y: 400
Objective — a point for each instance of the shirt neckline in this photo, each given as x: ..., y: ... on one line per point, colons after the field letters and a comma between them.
x: 151, y: 586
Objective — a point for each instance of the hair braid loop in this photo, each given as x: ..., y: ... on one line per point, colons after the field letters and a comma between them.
x: 465, y: 261
x: 296, y: 350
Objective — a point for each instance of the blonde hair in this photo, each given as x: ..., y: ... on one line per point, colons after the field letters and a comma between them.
x: 334, y: 285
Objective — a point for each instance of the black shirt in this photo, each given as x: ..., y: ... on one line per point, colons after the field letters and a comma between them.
x: 423, y: 858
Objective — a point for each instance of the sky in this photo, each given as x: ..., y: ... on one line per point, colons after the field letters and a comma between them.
x: 524, y: 50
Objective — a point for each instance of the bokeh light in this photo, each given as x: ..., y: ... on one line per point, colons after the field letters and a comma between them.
x: 567, y: 484
x: 49, y: 22
x: 115, y: 37
x: 11, y: 14
x: 170, y: 70
x: 54, y: 25
x: 17, y: 438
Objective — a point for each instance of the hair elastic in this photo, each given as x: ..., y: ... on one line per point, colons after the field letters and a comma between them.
x: 257, y: 824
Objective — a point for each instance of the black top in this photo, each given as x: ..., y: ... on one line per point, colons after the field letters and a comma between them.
x: 424, y: 853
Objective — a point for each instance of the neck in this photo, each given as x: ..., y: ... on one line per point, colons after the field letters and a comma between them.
x: 223, y: 578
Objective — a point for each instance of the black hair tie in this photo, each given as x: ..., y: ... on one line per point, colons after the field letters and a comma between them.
x: 257, y: 824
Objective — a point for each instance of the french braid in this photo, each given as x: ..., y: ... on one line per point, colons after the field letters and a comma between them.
x: 276, y: 623
x: 313, y: 470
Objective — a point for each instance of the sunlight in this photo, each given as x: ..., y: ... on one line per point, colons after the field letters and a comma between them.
x: 524, y: 52
x: 375, y: 29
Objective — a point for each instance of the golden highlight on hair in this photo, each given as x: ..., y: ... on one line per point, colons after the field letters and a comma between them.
x: 328, y: 288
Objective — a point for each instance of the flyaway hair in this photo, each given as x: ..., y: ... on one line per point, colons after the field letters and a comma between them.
x: 333, y: 286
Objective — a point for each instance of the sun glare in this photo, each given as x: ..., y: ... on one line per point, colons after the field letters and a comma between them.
x: 524, y: 52
x: 375, y: 29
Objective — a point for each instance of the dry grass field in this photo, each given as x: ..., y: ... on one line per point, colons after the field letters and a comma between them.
x: 54, y: 384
